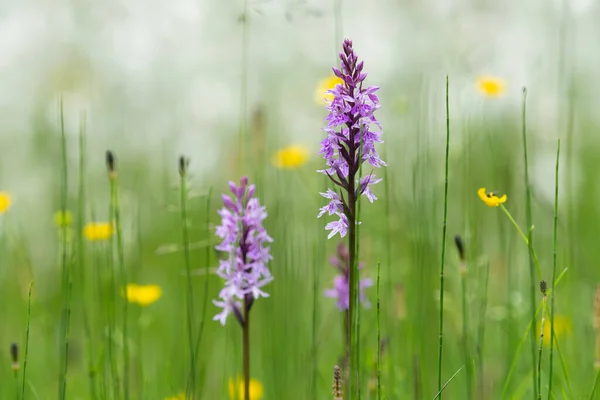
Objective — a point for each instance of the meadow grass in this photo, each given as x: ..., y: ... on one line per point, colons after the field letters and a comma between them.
x: 469, y: 327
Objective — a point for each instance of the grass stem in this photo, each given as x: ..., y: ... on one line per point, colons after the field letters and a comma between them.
x: 183, y: 196
x: 443, y: 258
x: 528, y: 219
x: 26, y: 357
x: 555, y: 241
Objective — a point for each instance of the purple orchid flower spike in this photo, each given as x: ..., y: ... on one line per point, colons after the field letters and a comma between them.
x: 246, y: 241
x: 352, y: 131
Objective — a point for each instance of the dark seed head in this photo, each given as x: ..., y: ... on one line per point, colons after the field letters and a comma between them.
x: 460, y: 246
x: 14, y: 352
x: 543, y: 287
x: 183, y: 165
x: 110, y: 161
x: 14, y: 355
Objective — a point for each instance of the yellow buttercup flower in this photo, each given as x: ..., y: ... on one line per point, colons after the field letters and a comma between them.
x: 256, y: 389
x: 63, y: 218
x: 490, y: 198
x: 321, y: 97
x: 562, y: 326
x: 5, y: 202
x: 290, y: 157
x: 144, y: 295
x: 98, y: 231
x: 491, y: 86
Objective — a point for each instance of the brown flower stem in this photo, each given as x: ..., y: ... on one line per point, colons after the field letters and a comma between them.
x: 246, y: 344
x: 351, y: 281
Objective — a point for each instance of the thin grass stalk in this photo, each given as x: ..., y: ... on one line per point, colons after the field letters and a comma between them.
x: 596, y: 380
x: 439, y: 393
x: 443, y: 258
x: 378, y: 331
x: 541, y: 343
x: 183, y: 195
x: 206, y: 277
x: 16, y: 383
x: 534, y: 256
x: 516, y: 357
x: 90, y: 346
x: 103, y: 309
x: 243, y: 87
x: 65, y: 269
x: 465, y: 325
x: 316, y: 295
x: 116, y: 209
x: 563, y: 366
x: 528, y: 219
x: 26, y: 356
x: 481, y: 329
x: 552, y: 300
x: 112, y: 291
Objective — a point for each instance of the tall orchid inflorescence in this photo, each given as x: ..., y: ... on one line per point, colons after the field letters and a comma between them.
x: 245, y: 270
x: 352, y: 131
x: 245, y: 240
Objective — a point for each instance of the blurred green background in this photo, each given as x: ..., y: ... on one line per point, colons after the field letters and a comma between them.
x: 212, y: 80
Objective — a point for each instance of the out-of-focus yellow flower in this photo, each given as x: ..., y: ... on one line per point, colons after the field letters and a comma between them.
x: 321, y: 97
x: 236, y: 390
x: 562, y: 326
x: 491, y: 86
x: 180, y: 396
x: 144, y: 295
x: 63, y: 218
x: 490, y: 198
x: 290, y: 157
x: 98, y: 231
x: 5, y: 202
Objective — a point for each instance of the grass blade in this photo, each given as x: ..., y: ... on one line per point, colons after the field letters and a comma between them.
x: 554, y: 269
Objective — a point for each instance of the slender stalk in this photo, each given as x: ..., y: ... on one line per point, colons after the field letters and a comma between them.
x: 17, y: 383
x: 528, y: 218
x: 516, y: 357
x: 465, y: 338
x: 596, y: 380
x: 246, y: 344
x: 554, y: 269
x: 112, y: 291
x: 183, y: 192
x: 206, y: 276
x: 352, y: 384
x: 541, y: 346
x: 443, y: 259
x: 65, y: 268
x: 25, y: 358
x: 243, y: 85
x: 114, y: 196
x: 320, y: 235
x: 90, y: 346
x: 378, y: 332
x: 439, y: 394
x: 481, y: 329
x: 534, y: 256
